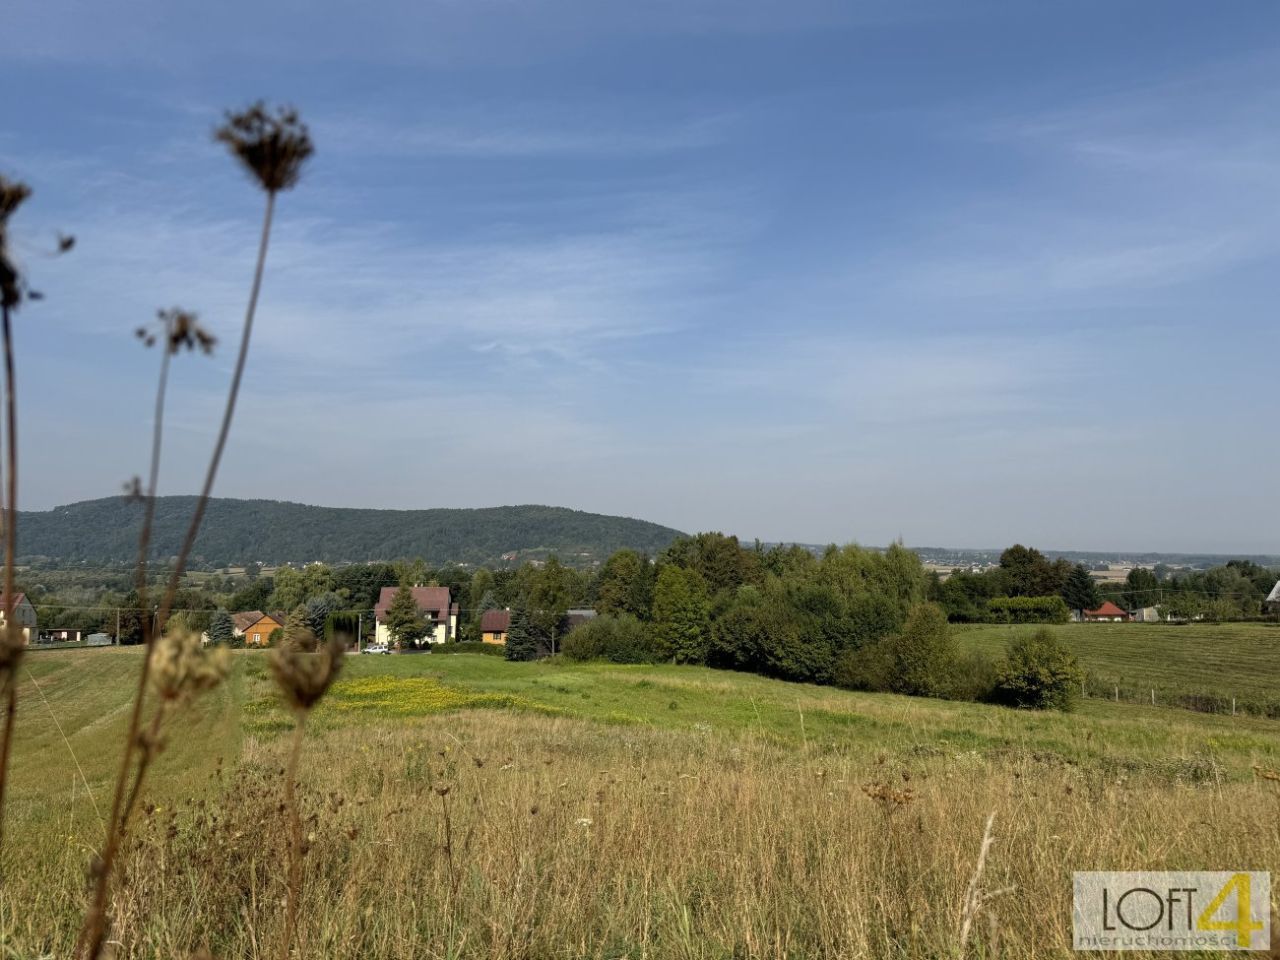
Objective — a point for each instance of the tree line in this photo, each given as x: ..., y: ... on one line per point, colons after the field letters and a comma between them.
x: 1005, y: 593
x: 850, y: 616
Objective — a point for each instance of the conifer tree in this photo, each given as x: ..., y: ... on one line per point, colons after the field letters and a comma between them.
x: 1080, y: 591
x: 221, y: 629
x: 405, y: 622
x: 522, y: 642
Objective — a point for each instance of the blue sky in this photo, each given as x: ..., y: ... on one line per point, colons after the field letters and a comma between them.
x: 964, y: 273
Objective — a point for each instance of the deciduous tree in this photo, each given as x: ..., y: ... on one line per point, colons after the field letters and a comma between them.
x: 681, y: 615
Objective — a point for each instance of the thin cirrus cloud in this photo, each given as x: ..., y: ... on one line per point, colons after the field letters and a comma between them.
x: 779, y: 269
x: 535, y: 130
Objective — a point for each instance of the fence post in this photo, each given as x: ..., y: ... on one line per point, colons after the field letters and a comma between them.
x: 1117, y: 693
x: 1153, y: 696
x: 1233, y: 706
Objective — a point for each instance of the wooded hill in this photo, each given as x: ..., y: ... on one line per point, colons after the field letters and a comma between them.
x: 244, y: 531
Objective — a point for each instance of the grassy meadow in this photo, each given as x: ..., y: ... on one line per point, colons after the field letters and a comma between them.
x: 462, y: 806
x: 1202, y: 665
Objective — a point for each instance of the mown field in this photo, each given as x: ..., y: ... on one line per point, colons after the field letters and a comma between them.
x: 1198, y: 665
x: 462, y: 806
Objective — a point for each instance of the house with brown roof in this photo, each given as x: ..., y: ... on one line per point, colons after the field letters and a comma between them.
x: 494, y: 625
x: 24, y: 615
x: 577, y: 616
x: 436, y: 607
x: 255, y: 627
x: 1107, y: 613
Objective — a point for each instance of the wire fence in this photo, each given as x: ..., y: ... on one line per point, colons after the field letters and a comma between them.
x: 1128, y: 691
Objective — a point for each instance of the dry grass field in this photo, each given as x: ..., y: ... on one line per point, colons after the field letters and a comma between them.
x: 461, y: 806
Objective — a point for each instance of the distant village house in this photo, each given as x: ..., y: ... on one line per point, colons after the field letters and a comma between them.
x: 577, y: 616
x: 255, y: 627
x: 1107, y: 613
x: 24, y: 615
x: 494, y: 625
x: 1272, y: 603
x: 436, y: 608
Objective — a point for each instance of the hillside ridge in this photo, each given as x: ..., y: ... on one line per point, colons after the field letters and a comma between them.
x: 235, y: 531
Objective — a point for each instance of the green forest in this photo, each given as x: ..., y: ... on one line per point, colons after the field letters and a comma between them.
x: 237, y: 532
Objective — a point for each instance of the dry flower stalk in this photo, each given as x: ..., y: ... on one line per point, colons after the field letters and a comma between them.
x: 13, y: 290
x: 304, y: 669
x: 12, y: 195
x: 273, y: 147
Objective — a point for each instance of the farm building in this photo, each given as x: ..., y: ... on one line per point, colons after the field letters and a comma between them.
x: 61, y: 635
x: 1272, y: 603
x: 1107, y: 613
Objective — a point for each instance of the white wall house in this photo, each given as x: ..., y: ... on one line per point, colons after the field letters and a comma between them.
x: 435, y: 606
x: 24, y: 614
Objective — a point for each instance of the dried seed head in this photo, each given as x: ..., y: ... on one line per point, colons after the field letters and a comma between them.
x: 178, y: 328
x: 13, y: 288
x: 12, y: 194
x: 303, y: 667
x: 183, y: 669
x: 272, y: 146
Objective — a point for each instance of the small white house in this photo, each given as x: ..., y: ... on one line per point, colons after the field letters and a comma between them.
x: 1272, y: 603
x: 24, y: 615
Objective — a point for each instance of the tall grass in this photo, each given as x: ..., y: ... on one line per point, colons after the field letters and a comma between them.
x: 566, y: 838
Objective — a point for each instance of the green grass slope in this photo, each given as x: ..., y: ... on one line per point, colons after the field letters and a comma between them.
x: 87, y: 693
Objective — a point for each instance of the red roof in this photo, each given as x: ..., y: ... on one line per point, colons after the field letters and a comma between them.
x: 433, y: 601
x: 1108, y: 609
x: 495, y: 621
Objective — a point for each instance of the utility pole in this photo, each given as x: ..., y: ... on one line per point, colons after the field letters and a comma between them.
x: 117, y: 636
x: 359, y: 629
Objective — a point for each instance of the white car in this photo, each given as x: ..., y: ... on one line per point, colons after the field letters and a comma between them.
x: 376, y: 648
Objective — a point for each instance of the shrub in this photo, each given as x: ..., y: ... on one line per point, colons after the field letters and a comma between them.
x: 741, y: 634
x: 472, y: 646
x: 974, y: 677
x: 866, y: 668
x: 765, y: 635
x: 1039, y: 672
x: 620, y: 639
x: 1028, y: 609
x: 922, y: 656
